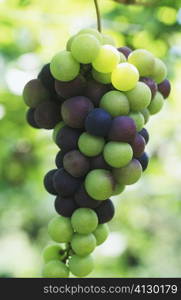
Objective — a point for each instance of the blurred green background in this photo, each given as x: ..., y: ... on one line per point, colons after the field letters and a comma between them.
x: 145, y: 239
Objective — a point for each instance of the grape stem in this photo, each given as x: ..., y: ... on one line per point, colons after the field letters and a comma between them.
x: 67, y: 251
x: 98, y: 15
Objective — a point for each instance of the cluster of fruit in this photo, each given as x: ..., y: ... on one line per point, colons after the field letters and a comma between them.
x: 97, y: 98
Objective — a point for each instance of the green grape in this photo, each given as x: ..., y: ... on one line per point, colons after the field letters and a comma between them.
x: 117, y: 154
x: 146, y: 114
x: 55, y: 269
x: 69, y: 43
x: 139, y: 97
x: 159, y: 71
x: 119, y: 188
x: 64, y: 67
x: 81, y: 266
x: 93, y: 32
x: 107, y: 59
x: 83, y: 244
x: 84, y: 220
x: 101, y: 233
x: 156, y: 104
x: 138, y: 118
x: 104, y: 78
x: 57, y: 128
x: 143, y: 60
x: 90, y: 145
x: 129, y: 174
x: 85, y: 48
x: 125, y: 77
x: 99, y: 184
x: 107, y: 40
x: 116, y: 103
x: 53, y: 252
x: 60, y: 229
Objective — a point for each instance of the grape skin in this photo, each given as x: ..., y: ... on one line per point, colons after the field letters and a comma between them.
x: 99, y: 184
x: 81, y: 266
x: 120, y: 75
x: 57, y: 129
x: 84, y: 200
x: 83, y: 244
x: 84, y: 220
x: 48, y: 182
x: 75, y: 110
x: 76, y: 164
x: 85, y: 48
x: 35, y: 93
x: 75, y: 87
x: 164, y: 88
x: 65, y: 206
x: 139, y: 97
x: 105, y: 211
x: 67, y: 139
x: 47, y: 115
x: 55, y: 269
x: 65, y: 185
x: 53, y: 252
x: 90, y: 145
x: 117, y: 154
x: 101, y: 233
x: 156, y: 104
x: 30, y: 118
x: 60, y: 229
x: 64, y: 67
x: 143, y: 60
x: 129, y: 174
x: 116, y: 103
x: 109, y: 54
x: 95, y: 90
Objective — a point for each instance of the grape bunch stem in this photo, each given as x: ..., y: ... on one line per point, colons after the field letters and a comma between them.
x: 98, y: 15
x: 67, y: 251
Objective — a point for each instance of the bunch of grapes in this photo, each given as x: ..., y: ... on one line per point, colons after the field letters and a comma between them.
x: 97, y: 98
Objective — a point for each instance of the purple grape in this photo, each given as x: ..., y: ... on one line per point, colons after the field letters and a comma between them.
x: 138, y: 145
x: 164, y: 88
x: 75, y: 110
x: 48, y: 182
x: 98, y: 122
x: 95, y: 91
x: 145, y: 135
x: 125, y: 50
x: 67, y: 139
x: 65, y: 206
x: 105, y: 211
x: 76, y: 164
x: 47, y: 115
x: 65, y: 184
x: 151, y: 84
x: 123, y: 129
x: 59, y: 160
x: 84, y: 200
x: 30, y: 118
x: 47, y: 79
x: 98, y: 162
x: 144, y: 160
x: 71, y: 88
x: 35, y: 93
